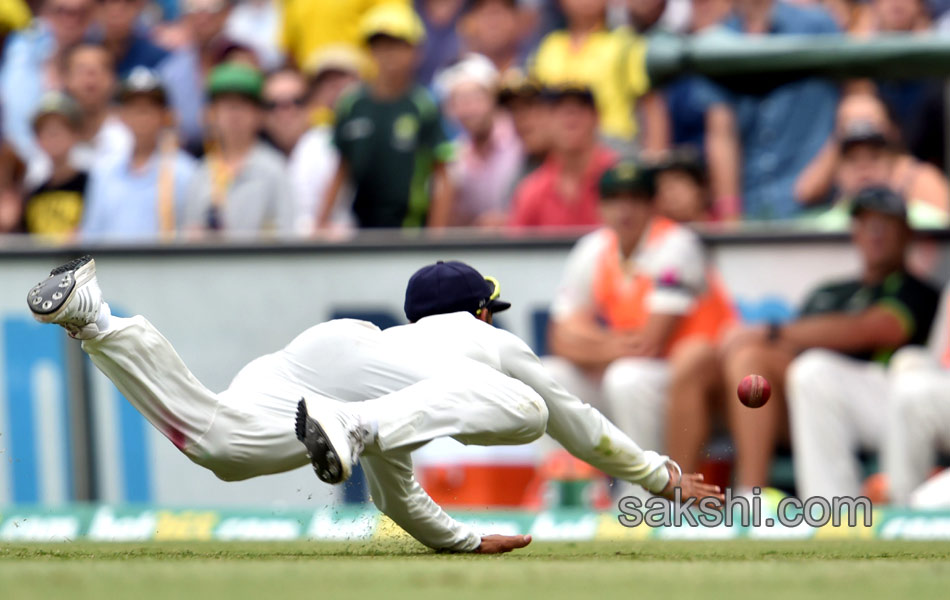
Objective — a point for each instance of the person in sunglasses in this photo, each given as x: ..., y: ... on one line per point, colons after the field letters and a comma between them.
x: 284, y: 97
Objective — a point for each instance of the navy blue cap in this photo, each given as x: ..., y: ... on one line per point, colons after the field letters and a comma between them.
x: 448, y: 287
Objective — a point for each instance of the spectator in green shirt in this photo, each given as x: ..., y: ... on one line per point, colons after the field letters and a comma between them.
x: 389, y: 134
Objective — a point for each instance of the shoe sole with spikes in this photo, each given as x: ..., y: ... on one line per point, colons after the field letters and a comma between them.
x: 69, y: 296
x: 324, y: 457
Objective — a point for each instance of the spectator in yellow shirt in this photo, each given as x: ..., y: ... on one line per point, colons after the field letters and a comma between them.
x: 613, y: 65
x: 309, y: 26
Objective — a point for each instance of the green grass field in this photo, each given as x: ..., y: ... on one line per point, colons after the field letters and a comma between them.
x: 396, y: 570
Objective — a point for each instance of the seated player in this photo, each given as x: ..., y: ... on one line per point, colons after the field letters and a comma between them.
x: 635, y: 298
x: 830, y: 363
x: 917, y: 421
x: 352, y: 394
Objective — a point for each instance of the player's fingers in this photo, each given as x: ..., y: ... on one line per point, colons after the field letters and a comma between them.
x: 498, y: 544
x: 708, y: 487
x: 517, y: 541
x: 712, y: 491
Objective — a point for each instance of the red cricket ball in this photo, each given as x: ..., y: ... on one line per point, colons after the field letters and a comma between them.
x: 754, y: 391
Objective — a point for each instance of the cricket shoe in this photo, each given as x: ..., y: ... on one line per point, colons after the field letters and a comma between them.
x: 70, y: 297
x: 334, y: 441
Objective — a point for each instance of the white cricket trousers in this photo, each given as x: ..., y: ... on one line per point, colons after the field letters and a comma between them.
x: 632, y: 392
x: 837, y: 405
x: 248, y: 430
x: 918, y: 426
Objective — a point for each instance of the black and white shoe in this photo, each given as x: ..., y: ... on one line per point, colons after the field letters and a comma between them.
x: 334, y: 441
x: 70, y: 297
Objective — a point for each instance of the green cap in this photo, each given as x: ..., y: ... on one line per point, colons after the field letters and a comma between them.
x: 235, y: 78
x: 626, y: 178
x: 879, y: 199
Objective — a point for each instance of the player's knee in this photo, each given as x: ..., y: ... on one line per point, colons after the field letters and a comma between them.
x: 219, y: 454
x: 694, y: 358
x: 230, y: 475
x: 224, y: 465
x: 808, y: 374
x: 911, y: 359
x: 911, y: 395
x: 627, y: 381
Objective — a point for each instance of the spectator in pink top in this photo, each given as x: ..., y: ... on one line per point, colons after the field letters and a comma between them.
x: 563, y: 191
x: 489, y: 154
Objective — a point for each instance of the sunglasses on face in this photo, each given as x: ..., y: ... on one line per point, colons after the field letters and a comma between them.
x: 285, y: 103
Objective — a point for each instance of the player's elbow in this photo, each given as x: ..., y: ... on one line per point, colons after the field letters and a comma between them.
x: 538, y: 420
x: 882, y: 329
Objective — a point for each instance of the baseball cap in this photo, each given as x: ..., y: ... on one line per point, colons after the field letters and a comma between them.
x: 880, y: 199
x: 473, y: 68
x: 862, y: 132
x: 572, y: 92
x: 235, y: 78
x: 393, y: 20
x: 684, y: 159
x: 142, y: 81
x: 448, y: 287
x: 342, y: 58
x: 57, y: 103
x: 626, y: 177
x: 516, y: 85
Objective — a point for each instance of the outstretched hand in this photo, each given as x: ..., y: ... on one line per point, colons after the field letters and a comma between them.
x: 691, y: 486
x: 498, y: 544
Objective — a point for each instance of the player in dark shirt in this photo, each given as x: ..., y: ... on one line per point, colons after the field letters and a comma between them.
x: 912, y: 300
x: 389, y: 134
x: 838, y: 347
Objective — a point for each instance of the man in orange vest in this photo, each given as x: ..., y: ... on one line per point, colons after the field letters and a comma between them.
x: 633, y: 294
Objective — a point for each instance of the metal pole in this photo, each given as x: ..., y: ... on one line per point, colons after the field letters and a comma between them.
x: 85, y: 484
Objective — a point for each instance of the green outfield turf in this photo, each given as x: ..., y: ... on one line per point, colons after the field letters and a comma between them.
x: 396, y: 570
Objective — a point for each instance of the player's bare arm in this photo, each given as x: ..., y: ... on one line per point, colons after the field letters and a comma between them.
x: 876, y: 327
x: 330, y: 196
x: 443, y: 197
x: 655, y: 336
x: 584, y: 342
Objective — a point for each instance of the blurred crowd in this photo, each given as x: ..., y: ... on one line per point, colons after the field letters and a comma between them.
x: 168, y: 119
